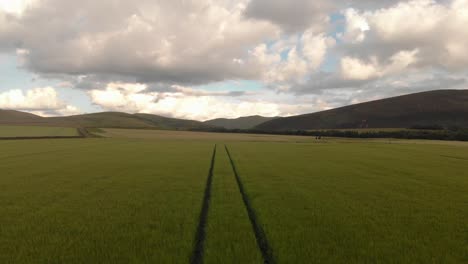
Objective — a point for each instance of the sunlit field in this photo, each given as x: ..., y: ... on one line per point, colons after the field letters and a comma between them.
x: 36, y: 131
x: 145, y: 196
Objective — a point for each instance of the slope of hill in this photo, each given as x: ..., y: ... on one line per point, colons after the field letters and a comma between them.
x: 16, y: 117
x: 171, y: 123
x: 104, y: 119
x: 100, y: 120
x: 442, y: 107
x: 246, y: 122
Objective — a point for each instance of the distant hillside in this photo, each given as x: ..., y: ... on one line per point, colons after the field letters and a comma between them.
x: 104, y: 119
x: 172, y: 123
x: 16, y: 117
x: 442, y: 107
x: 246, y: 122
x: 101, y: 120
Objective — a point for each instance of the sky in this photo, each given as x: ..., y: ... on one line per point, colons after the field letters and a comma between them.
x: 205, y: 59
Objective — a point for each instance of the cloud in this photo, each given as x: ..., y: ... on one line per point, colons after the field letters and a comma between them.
x: 37, y: 99
x: 356, y: 26
x: 165, y: 41
x: 315, y: 48
x: 15, y: 6
x: 293, y: 59
x: 321, y: 81
x: 293, y: 15
x: 397, y: 48
x: 152, y: 56
x: 197, y: 92
x: 336, y: 91
x: 68, y: 110
x: 435, y: 29
x: 368, y: 4
x: 353, y: 68
x: 185, y: 102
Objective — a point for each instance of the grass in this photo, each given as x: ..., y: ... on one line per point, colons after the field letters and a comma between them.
x: 100, y: 201
x: 197, y: 136
x: 230, y: 237
x: 359, y: 203
x: 37, y: 131
x: 137, y: 198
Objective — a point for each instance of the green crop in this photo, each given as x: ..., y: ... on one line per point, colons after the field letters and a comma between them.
x: 140, y: 196
x: 230, y: 237
x: 100, y: 200
x: 37, y: 131
x: 359, y: 203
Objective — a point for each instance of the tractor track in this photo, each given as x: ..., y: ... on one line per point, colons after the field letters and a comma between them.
x: 260, y: 236
x: 197, y: 255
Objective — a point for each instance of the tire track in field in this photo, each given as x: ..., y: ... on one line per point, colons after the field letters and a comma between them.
x: 262, y: 242
x: 197, y: 255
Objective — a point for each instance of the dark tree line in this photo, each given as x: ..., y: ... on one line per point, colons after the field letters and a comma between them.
x: 453, y: 133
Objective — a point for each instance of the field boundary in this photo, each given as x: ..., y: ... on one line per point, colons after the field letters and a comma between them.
x: 82, y: 133
x: 197, y: 255
x: 45, y: 137
x: 262, y: 242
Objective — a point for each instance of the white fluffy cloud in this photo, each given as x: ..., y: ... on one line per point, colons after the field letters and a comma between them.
x: 356, y: 69
x: 15, y: 6
x: 172, y: 42
x: 415, y: 19
x: 293, y: 59
x: 166, y: 41
x: 315, y: 47
x: 356, y: 26
x: 436, y: 30
x: 38, y: 99
x: 150, y: 56
x: 184, y: 102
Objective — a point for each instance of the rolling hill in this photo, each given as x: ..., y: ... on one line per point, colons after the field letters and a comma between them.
x: 101, y: 120
x: 441, y: 107
x: 246, y: 122
x: 172, y: 123
x: 434, y: 108
x: 12, y: 117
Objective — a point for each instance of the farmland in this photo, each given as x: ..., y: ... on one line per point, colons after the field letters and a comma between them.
x: 230, y: 238
x: 136, y: 196
x: 36, y: 131
x: 100, y: 201
x: 359, y: 202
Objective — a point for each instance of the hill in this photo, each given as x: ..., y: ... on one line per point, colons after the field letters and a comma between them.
x: 104, y: 119
x: 246, y: 122
x: 101, y: 120
x: 172, y: 123
x: 13, y: 117
x: 434, y: 108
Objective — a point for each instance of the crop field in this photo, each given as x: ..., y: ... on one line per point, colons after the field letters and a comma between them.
x: 146, y: 196
x: 36, y: 131
x: 355, y: 203
x: 100, y: 201
x: 196, y: 136
x: 230, y: 238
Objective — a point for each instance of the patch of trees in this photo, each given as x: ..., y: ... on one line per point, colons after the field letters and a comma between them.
x: 427, y: 127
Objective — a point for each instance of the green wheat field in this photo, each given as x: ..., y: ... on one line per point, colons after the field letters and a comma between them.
x: 146, y: 196
x: 36, y: 131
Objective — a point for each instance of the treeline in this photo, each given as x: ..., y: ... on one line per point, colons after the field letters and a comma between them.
x: 458, y: 134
